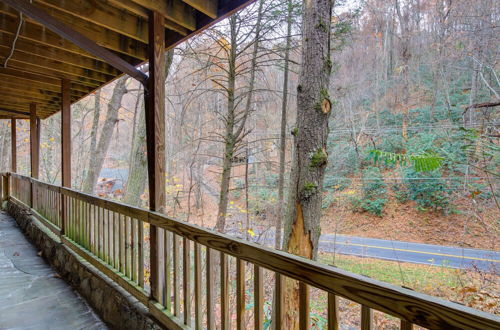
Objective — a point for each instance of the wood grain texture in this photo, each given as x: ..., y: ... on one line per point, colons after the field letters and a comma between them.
x: 258, y: 288
x: 240, y: 294
x: 13, y: 145
x: 155, y: 136
x: 333, y: 312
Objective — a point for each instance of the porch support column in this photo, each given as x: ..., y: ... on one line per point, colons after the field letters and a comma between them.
x: 65, y: 147
x: 34, y: 142
x: 66, y: 133
x: 155, y: 138
x: 13, y: 142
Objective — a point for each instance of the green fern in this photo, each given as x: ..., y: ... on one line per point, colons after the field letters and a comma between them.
x: 425, y: 162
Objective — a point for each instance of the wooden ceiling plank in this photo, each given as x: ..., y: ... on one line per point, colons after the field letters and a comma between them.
x: 83, y: 62
x: 27, y: 98
x: 143, y: 12
x: 64, y: 68
x: 17, y: 114
x: 32, y: 89
x: 15, y: 100
x: 100, y: 13
x: 81, y: 40
x: 101, y: 36
x: 207, y: 7
x: 19, y: 74
x: 50, y: 72
x: 174, y: 10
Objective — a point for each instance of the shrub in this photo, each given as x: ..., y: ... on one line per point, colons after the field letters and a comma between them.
x: 374, y: 193
x: 428, y: 190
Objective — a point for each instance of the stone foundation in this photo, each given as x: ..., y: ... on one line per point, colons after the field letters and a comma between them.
x: 116, y: 307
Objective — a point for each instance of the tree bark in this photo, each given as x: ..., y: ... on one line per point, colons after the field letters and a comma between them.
x: 302, y: 221
x: 97, y: 158
x: 284, y: 105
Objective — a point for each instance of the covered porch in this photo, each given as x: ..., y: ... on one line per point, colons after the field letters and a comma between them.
x: 169, y: 272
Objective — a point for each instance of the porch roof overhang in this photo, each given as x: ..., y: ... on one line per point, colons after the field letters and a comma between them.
x: 87, y: 42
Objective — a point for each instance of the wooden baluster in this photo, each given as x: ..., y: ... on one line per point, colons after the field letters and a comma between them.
x: 116, y: 230
x: 186, y: 260
x: 258, y: 296
x: 140, y: 252
x: 127, y: 247
x: 303, y: 305
x: 177, y: 308
x: 99, y: 231
x: 240, y: 294
x: 333, y: 312
x: 278, y: 300
x: 210, y: 290
x: 224, y: 291
x: 405, y: 325
x: 366, y: 318
x: 197, y: 286
x: 110, y: 236
x: 122, y: 242
x: 167, y: 295
x: 133, y: 242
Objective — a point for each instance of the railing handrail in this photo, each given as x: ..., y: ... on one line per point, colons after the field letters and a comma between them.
x: 391, y: 299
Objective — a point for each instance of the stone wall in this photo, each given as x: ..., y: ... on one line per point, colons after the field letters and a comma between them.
x: 116, y: 307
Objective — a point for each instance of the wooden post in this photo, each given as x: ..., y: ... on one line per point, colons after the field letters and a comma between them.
x: 13, y: 142
x: 65, y: 146
x: 34, y: 141
x: 34, y: 149
x: 155, y: 137
x: 66, y: 133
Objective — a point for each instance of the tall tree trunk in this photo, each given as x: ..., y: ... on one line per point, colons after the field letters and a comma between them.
x: 404, y: 23
x: 97, y: 158
x: 235, y: 124
x: 284, y: 105
x: 302, y: 221
x: 138, y: 165
x: 88, y: 186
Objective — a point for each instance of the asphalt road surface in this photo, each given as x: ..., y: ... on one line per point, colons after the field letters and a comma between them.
x: 428, y: 254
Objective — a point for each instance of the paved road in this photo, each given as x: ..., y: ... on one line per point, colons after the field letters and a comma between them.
x: 429, y: 254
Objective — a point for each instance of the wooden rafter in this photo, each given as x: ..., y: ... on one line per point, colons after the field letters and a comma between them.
x: 22, y: 45
x: 140, y: 11
x: 208, y: 7
x: 79, y: 39
x: 174, y: 10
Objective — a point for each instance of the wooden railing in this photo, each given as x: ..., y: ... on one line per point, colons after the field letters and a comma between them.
x: 210, y: 280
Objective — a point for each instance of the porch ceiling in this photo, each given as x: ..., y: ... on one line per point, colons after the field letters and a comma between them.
x: 42, y: 58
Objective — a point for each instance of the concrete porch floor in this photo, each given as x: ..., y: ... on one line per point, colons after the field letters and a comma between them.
x: 32, y: 296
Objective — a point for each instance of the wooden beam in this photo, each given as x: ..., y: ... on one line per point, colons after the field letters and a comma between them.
x: 144, y: 13
x: 207, y: 7
x: 174, y: 10
x: 66, y: 133
x: 34, y: 141
x: 13, y: 143
x: 79, y: 39
x: 155, y: 137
